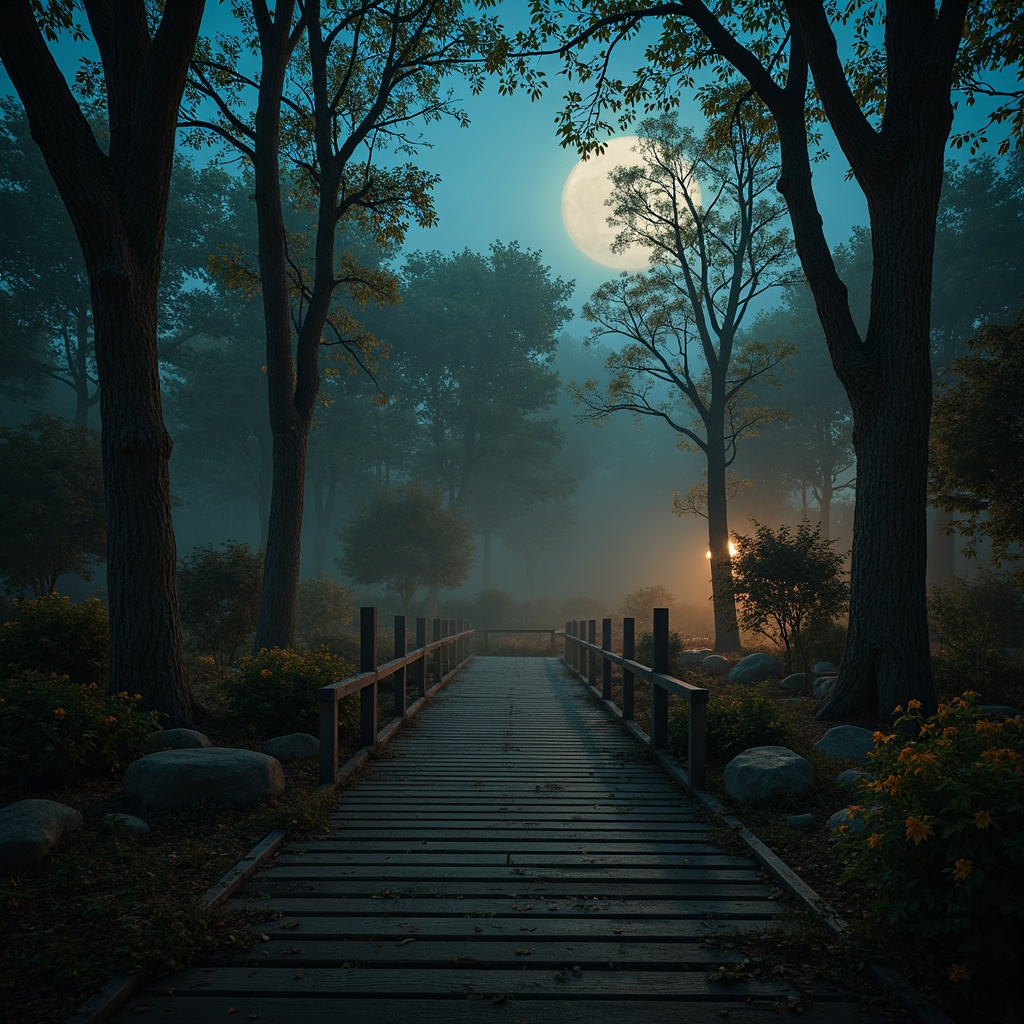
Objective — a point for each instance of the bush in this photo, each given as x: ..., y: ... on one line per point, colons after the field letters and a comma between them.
x: 219, y: 596
x: 53, y: 730
x: 52, y: 635
x: 738, y: 718
x: 274, y: 692
x: 324, y: 608
x: 941, y: 838
x: 645, y: 649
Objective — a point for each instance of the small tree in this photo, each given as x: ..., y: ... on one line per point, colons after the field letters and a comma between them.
x: 407, y: 539
x: 325, y: 607
x: 51, y: 491
x: 219, y: 592
x: 785, y: 582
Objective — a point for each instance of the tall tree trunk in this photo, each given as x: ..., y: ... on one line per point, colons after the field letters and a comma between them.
x: 727, y: 634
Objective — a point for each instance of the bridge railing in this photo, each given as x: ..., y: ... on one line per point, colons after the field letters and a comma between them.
x: 592, y: 661
x: 448, y: 650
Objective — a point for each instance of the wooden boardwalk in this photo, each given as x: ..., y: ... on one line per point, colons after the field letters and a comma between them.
x: 515, y: 862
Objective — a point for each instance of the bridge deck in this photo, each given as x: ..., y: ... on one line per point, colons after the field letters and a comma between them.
x: 515, y: 862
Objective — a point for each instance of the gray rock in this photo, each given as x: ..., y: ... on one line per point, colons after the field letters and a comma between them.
x: 180, y: 778
x: 802, y: 822
x: 999, y: 711
x: 846, y: 742
x: 31, y: 829
x: 694, y: 658
x: 293, y: 746
x: 851, y: 776
x: 176, y: 739
x: 824, y: 685
x: 755, y: 668
x: 824, y: 668
x: 842, y: 817
x: 795, y: 683
x: 716, y: 665
x: 766, y: 773
x: 132, y: 826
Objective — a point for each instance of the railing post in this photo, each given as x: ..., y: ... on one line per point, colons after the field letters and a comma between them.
x: 659, y: 695
x: 401, y: 676
x: 565, y: 636
x: 606, y: 665
x: 551, y: 644
x: 592, y: 660
x: 327, y: 698
x: 438, y: 667
x: 421, y: 642
x: 696, y: 758
x: 368, y: 663
x: 628, y: 679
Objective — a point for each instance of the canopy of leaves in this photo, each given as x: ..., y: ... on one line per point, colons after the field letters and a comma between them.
x: 406, y: 539
x: 786, y: 582
x: 51, y: 493
x: 977, y: 441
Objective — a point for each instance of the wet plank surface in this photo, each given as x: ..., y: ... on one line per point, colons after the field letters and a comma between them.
x: 517, y: 860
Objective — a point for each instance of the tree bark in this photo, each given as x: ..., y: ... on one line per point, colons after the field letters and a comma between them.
x: 727, y: 634
x: 118, y: 205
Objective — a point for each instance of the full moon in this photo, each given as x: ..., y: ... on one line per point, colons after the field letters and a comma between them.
x: 583, y: 206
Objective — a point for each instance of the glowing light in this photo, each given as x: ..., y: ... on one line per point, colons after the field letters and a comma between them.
x: 733, y: 551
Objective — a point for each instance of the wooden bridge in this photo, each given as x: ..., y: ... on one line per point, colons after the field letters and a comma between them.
x: 519, y: 859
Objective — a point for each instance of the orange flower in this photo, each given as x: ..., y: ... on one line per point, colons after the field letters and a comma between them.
x: 962, y: 869
x: 925, y: 760
x: 265, y: 673
x: 875, y: 839
x: 918, y: 829
x: 852, y: 810
x: 893, y: 785
x: 59, y: 713
x: 982, y: 819
x: 913, y: 705
x: 958, y: 972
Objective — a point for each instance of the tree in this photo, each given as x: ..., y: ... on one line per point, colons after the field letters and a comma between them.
x: 705, y: 213
x: 977, y: 442
x: 890, y: 109
x: 640, y: 604
x: 787, y: 583
x: 117, y: 201
x: 337, y: 85
x: 220, y: 597
x: 406, y: 539
x: 51, y: 491
x: 325, y: 608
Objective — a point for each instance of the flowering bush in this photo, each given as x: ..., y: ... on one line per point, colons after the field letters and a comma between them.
x: 53, y: 730
x: 737, y: 718
x: 940, y: 836
x: 50, y: 634
x: 274, y: 691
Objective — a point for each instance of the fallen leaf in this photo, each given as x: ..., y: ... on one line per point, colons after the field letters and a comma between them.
x: 523, y: 952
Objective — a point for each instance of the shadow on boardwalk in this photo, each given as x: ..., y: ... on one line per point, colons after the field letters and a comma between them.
x: 514, y: 862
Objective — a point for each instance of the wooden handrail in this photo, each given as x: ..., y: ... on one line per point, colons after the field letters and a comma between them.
x: 450, y: 649
x: 582, y: 656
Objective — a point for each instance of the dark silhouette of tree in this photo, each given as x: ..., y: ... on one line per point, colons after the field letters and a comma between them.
x: 117, y: 201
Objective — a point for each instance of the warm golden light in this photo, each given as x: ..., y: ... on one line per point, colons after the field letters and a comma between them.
x: 733, y: 551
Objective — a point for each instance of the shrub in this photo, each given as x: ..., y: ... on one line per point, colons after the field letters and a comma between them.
x: 53, y: 730
x: 737, y: 718
x: 324, y: 608
x: 941, y: 838
x: 645, y: 649
x: 52, y: 635
x: 219, y: 596
x: 274, y: 692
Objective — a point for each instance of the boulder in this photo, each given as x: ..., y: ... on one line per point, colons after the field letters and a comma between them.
x: 31, y: 829
x: 694, y: 658
x: 842, y: 817
x: 755, y: 668
x: 846, y: 742
x: 176, y: 739
x: 801, y: 822
x: 824, y: 685
x: 999, y: 711
x: 179, y: 778
x: 131, y: 825
x: 824, y: 668
x: 292, y: 746
x: 716, y: 665
x: 764, y: 774
x: 851, y: 776
x: 795, y: 683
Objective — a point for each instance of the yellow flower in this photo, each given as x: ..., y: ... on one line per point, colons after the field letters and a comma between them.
x: 906, y: 754
x: 265, y: 673
x: 982, y: 819
x: 918, y: 829
x: 949, y: 732
x: 109, y: 720
x: 961, y: 869
x: 851, y: 811
x: 913, y: 705
x: 882, y: 737
x: 893, y: 785
x: 875, y: 839
x: 59, y: 713
x: 958, y: 972
x: 925, y: 760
